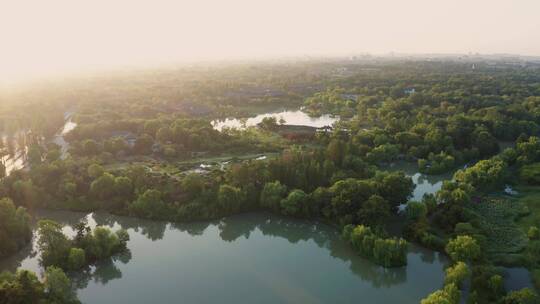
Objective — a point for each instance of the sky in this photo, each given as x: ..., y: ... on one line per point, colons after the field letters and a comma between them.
x: 46, y: 37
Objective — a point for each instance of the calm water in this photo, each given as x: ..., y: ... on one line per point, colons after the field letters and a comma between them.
x: 425, y: 184
x: 296, y: 117
x: 250, y: 258
x: 516, y: 278
x: 59, y: 137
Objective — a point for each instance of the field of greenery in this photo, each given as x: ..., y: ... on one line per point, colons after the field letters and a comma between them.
x: 135, y: 141
x: 496, y: 217
x: 530, y: 197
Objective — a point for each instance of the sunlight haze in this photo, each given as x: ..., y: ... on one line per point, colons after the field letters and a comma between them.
x: 269, y: 151
x: 45, y: 37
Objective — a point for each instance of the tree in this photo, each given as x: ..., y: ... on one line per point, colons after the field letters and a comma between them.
x: 383, y: 153
x: 230, y: 198
x: 522, y: 296
x: 486, y: 143
x: 533, y: 233
x: 90, y: 147
x: 58, y: 286
x: 193, y: 184
x: 374, y: 211
x: 415, y: 210
x: 123, y: 186
x: 464, y: 229
x: 336, y: 151
x: 272, y: 194
x: 496, y: 285
x: 24, y: 192
x: 53, y: 155
x: 395, y: 187
x: 349, y: 194
x: 149, y: 204
x: 103, y: 187
x: 463, y: 248
x: 528, y: 150
x: 103, y: 243
x: 95, y: 171
x: 22, y: 287
x: 484, y: 174
x: 450, y: 294
x: 388, y: 252
x: 454, y: 193
x: 164, y: 134
x: 530, y: 174
x: 268, y: 123
x: 437, y: 140
x: 143, y: 144
x: 52, y: 243
x: 457, y: 273
x: 76, y: 258
x: 115, y: 145
x: 34, y: 154
x: 151, y: 127
x: 15, y: 231
x: 294, y: 203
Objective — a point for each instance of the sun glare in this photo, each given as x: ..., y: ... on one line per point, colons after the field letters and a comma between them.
x: 40, y: 38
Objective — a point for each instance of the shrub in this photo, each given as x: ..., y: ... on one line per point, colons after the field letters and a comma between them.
x: 450, y: 294
x: 415, y: 210
x: 533, y: 233
x: 76, y: 258
x: 530, y: 174
x: 457, y: 274
x: 522, y: 296
x: 463, y: 248
x: 388, y: 252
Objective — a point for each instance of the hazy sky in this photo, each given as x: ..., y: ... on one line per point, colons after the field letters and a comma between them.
x: 40, y: 37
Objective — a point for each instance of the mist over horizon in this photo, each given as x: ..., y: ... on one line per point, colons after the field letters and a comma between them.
x: 59, y: 37
x: 314, y: 151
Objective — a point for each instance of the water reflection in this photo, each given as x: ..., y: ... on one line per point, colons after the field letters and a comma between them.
x: 279, y: 259
x: 425, y: 184
x: 153, y: 230
x: 28, y: 257
x: 59, y: 137
x: 102, y: 272
x: 296, y: 117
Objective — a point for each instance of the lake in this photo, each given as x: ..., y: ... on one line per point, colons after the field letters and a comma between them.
x: 249, y: 258
x: 294, y: 117
x: 59, y: 137
x: 425, y: 184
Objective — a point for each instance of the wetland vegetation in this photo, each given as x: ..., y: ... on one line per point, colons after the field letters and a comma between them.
x: 381, y: 168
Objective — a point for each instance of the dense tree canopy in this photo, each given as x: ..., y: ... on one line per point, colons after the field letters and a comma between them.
x: 15, y: 229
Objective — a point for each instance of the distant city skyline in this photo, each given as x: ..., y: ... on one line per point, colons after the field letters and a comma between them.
x: 47, y: 37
